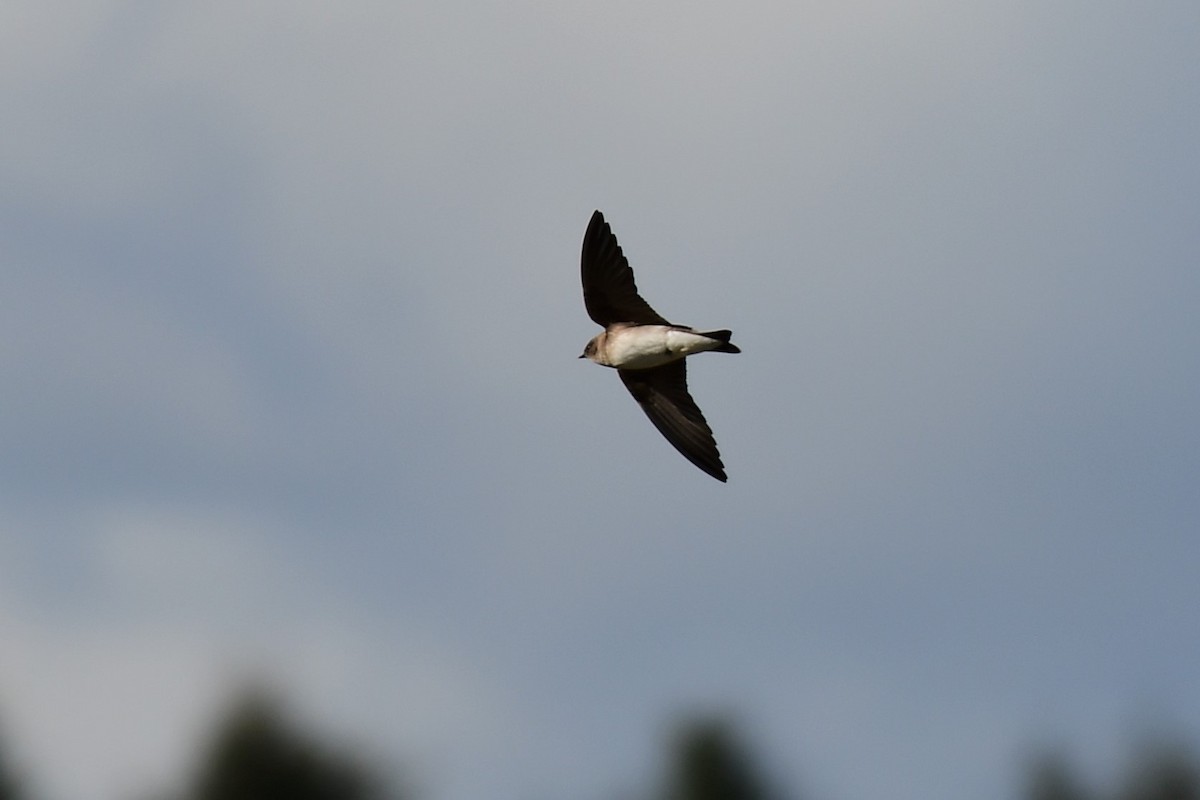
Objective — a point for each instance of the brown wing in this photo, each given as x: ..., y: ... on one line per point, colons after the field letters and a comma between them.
x: 662, y: 393
x: 609, y: 292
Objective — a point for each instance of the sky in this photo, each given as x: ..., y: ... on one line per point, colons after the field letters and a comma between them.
x: 288, y: 337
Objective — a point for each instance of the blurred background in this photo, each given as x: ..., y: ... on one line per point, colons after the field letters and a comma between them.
x: 289, y: 320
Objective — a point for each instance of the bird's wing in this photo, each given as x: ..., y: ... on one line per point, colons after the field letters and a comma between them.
x: 662, y: 393
x: 609, y: 292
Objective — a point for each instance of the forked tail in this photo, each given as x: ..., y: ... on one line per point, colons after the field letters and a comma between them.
x: 722, y: 336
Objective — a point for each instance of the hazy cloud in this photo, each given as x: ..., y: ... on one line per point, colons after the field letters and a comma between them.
x: 289, y: 335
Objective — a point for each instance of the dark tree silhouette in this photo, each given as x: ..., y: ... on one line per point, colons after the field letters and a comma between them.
x: 1158, y: 771
x: 1161, y: 772
x: 1051, y: 778
x: 258, y: 754
x: 708, y: 763
x: 10, y: 785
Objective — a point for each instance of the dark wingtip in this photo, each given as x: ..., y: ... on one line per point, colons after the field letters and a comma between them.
x: 716, y: 470
x: 595, y: 231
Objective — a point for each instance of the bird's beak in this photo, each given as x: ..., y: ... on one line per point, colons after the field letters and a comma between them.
x: 583, y: 355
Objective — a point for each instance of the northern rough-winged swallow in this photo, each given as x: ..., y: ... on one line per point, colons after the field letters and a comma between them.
x: 647, y: 351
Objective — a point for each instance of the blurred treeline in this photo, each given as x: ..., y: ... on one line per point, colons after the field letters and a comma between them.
x: 257, y: 751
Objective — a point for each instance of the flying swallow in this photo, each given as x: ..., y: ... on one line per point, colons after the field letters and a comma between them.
x: 647, y: 351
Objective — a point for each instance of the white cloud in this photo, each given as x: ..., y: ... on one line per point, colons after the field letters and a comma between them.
x: 263, y: 410
x: 110, y: 697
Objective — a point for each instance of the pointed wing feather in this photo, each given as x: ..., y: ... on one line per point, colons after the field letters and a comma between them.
x: 609, y: 292
x: 662, y: 393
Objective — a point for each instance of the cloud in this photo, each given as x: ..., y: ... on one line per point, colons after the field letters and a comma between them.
x: 290, y: 385
x: 175, y: 609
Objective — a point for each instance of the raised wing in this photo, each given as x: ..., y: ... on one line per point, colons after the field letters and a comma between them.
x: 609, y: 292
x: 662, y: 393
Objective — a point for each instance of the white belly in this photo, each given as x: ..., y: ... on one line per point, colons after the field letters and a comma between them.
x: 647, y: 346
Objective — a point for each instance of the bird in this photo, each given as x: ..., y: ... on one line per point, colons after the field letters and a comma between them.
x: 646, y: 350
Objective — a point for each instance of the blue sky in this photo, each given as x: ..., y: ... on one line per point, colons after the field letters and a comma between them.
x: 289, y: 337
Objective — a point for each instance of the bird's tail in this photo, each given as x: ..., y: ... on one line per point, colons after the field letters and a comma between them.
x: 722, y: 336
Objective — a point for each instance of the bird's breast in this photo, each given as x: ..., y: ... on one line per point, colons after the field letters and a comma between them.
x: 647, y: 346
x: 638, y: 347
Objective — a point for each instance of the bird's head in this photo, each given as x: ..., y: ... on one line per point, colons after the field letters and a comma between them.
x: 589, y: 351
